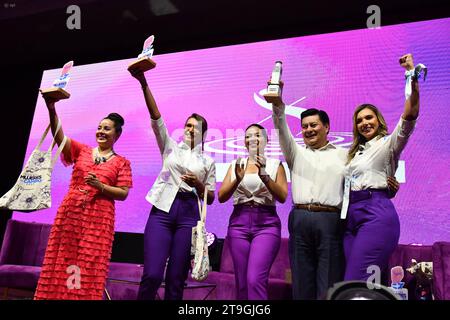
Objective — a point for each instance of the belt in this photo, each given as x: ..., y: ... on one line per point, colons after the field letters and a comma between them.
x: 186, y: 195
x: 251, y: 204
x: 316, y: 207
x: 356, y: 196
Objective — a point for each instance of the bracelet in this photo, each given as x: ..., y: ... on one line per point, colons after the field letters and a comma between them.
x: 103, y: 187
x: 265, y: 178
x: 416, y: 72
x: 413, y: 74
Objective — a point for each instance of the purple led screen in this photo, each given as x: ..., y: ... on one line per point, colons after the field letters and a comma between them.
x: 335, y: 72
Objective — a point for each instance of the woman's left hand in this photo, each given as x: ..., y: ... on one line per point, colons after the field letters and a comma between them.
x: 190, y: 179
x: 261, y: 164
x: 92, y: 180
x: 393, y: 186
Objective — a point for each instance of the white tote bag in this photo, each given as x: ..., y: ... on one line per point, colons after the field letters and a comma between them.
x: 32, y: 190
x: 199, y: 244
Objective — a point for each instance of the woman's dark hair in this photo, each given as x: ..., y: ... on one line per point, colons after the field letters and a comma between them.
x: 200, y: 119
x: 263, y: 130
x: 118, y: 121
x: 203, y: 123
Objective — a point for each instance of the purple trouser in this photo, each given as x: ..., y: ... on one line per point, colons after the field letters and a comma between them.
x: 168, y: 235
x: 254, y: 236
x: 371, y: 235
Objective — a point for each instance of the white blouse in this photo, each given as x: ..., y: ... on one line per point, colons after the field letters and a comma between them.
x: 177, y: 159
x: 378, y: 158
x: 251, y: 187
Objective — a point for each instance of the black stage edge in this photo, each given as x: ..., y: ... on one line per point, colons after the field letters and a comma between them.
x: 128, y: 247
x: 229, y: 310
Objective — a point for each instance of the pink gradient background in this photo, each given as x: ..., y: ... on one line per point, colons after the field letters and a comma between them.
x: 335, y: 72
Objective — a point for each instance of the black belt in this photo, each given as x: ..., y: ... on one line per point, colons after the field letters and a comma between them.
x: 315, y: 207
x: 186, y: 195
x: 360, y: 195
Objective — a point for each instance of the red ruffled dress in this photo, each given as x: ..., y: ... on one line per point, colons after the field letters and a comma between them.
x: 79, y: 248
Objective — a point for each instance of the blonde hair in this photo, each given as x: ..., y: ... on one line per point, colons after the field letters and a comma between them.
x: 357, y: 137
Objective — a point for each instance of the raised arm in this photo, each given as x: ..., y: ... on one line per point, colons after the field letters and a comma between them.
x: 54, y: 123
x: 400, y: 135
x: 287, y: 141
x: 149, y: 100
x: 411, y: 111
x: 158, y: 126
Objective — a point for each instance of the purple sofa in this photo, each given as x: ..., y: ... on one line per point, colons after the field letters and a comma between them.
x: 280, y: 287
x: 123, y: 284
x: 438, y: 253
x: 22, y: 254
x: 441, y: 270
x: 24, y: 247
x: 123, y: 280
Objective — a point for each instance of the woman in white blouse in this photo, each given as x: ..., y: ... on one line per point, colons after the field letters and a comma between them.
x: 373, y: 227
x: 185, y: 173
x: 254, y: 230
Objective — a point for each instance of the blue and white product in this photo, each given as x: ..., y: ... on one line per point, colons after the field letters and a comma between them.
x: 147, y: 51
x: 399, y: 291
x: 62, y: 81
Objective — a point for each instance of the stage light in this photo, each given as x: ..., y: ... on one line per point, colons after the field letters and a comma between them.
x: 162, y: 7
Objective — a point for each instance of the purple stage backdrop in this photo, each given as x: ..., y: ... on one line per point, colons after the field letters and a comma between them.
x: 335, y: 72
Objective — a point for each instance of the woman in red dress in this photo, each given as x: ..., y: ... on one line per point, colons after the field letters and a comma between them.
x: 79, y: 247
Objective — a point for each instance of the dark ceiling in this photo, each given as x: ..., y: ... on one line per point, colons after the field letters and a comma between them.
x: 35, y: 30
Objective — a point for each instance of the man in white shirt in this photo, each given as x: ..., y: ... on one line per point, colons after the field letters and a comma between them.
x: 315, y: 228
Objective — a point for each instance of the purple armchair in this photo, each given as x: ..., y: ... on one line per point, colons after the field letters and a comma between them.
x: 280, y: 287
x: 441, y: 270
x: 124, y: 278
x: 24, y: 246
x: 22, y: 254
x: 438, y: 253
x: 402, y: 257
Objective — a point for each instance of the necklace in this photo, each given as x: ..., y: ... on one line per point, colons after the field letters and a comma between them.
x: 98, y: 158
